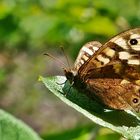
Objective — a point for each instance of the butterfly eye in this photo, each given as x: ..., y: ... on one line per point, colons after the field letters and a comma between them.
x: 133, y: 41
x: 135, y: 100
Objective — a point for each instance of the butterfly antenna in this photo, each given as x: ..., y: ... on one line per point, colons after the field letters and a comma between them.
x: 62, y: 49
x: 54, y: 58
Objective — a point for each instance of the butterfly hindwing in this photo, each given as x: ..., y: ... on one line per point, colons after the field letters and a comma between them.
x: 86, y: 52
x: 115, y: 95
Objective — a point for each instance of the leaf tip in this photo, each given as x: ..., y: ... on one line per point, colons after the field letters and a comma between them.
x: 40, y: 78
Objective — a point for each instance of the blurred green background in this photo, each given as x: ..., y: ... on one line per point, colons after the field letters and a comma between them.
x: 30, y: 28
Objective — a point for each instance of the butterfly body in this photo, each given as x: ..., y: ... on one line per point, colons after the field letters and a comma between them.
x: 110, y: 73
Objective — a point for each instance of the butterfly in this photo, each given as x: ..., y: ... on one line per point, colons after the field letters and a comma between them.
x: 110, y: 72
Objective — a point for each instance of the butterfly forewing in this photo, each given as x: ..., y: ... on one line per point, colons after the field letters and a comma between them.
x: 120, y: 57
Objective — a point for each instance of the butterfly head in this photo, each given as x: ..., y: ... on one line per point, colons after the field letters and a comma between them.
x: 70, y: 74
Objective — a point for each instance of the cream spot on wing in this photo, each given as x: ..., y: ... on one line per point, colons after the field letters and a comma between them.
x: 117, y: 67
x: 134, y: 61
x: 102, y: 59
x: 137, y: 82
x: 124, y: 82
x: 87, y: 50
x: 121, y: 42
x: 82, y: 61
x: 95, y: 48
x: 124, y: 55
x: 109, y: 52
x: 135, y: 36
x: 135, y: 47
x: 85, y: 57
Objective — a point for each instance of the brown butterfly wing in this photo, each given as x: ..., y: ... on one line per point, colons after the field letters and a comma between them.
x: 115, y: 58
x: 105, y: 71
x: 113, y: 94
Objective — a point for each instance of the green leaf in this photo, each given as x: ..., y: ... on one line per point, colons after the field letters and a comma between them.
x: 78, y: 133
x: 125, y: 123
x: 13, y: 129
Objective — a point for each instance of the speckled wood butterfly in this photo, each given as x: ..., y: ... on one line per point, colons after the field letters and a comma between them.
x: 110, y: 73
